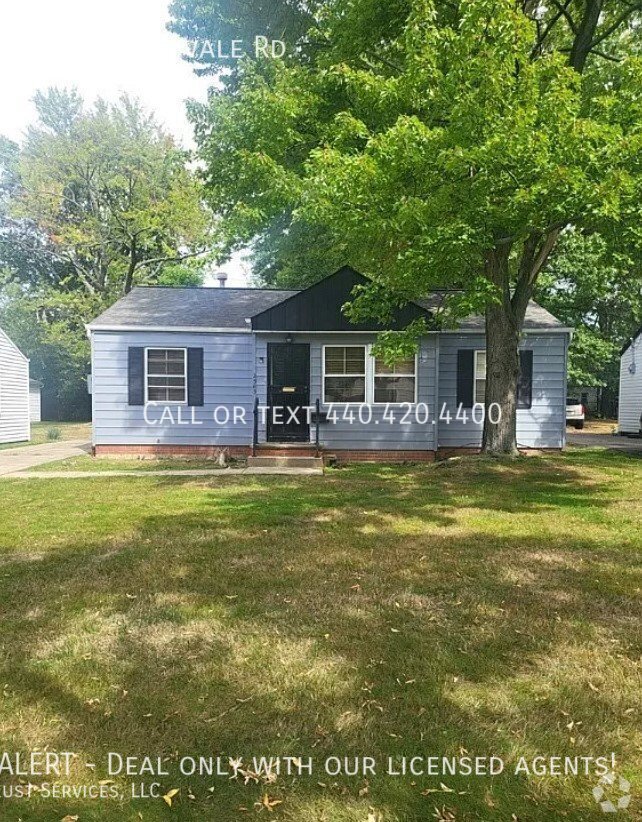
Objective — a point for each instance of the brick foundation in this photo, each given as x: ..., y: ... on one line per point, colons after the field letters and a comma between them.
x: 168, y: 451
x: 343, y: 456
x: 211, y: 451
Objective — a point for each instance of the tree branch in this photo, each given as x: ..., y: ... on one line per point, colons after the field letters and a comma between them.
x: 567, y: 14
x: 178, y: 259
x: 537, y: 48
x: 534, y: 256
x: 616, y: 24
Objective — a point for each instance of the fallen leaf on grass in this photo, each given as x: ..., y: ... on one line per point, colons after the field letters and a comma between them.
x: 167, y: 798
x: 69, y: 818
x: 444, y: 814
x: 267, y: 802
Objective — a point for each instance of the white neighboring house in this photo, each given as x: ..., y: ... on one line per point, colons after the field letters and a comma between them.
x: 15, y: 425
x: 35, y: 403
x: 630, y: 411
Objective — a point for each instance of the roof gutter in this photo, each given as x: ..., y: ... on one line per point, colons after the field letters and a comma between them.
x: 166, y: 328
x: 248, y: 330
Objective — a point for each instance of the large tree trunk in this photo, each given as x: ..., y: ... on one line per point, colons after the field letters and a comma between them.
x: 502, y: 360
x: 504, y: 322
x: 505, y: 318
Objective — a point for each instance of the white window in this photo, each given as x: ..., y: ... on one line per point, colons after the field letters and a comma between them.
x: 352, y: 375
x: 395, y: 384
x: 480, y: 377
x: 166, y: 375
x: 344, y: 373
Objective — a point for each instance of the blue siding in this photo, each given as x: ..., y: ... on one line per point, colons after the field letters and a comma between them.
x: 542, y: 426
x: 377, y: 434
x: 235, y: 371
x: 228, y: 366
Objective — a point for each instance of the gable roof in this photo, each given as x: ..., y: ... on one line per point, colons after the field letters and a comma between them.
x: 199, y: 308
x: 316, y: 308
x: 536, y: 316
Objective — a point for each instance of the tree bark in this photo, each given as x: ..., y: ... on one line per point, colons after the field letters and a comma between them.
x: 131, y: 268
x: 502, y: 360
x: 583, y: 40
x: 504, y: 322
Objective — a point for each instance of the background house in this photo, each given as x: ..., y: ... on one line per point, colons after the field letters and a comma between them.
x: 630, y: 408
x: 35, y: 401
x: 14, y: 392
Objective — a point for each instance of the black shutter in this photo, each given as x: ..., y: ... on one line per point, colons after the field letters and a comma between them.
x: 195, y: 376
x: 525, y: 380
x: 136, y: 376
x: 465, y: 377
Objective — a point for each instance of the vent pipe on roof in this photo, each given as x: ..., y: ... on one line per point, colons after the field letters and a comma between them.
x: 222, y: 279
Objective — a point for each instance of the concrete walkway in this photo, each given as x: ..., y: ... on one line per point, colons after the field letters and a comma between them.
x: 202, y: 473
x: 30, y: 456
x: 630, y: 445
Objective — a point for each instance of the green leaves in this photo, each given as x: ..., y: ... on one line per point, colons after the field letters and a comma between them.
x: 108, y: 192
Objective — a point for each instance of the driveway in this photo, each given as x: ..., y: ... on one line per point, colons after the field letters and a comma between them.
x: 30, y: 456
x: 583, y: 439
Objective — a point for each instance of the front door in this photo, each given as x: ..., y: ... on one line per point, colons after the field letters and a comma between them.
x: 288, y: 392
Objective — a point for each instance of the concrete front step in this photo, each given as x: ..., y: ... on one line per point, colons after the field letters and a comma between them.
x: 284, y: 461
x: 286, y: 450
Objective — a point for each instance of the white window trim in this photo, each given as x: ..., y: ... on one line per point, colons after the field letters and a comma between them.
x: 324, y: 375
x: 413, y: 375
x: 369, y: 378
x: 478, y: 351
x: 166, y: 348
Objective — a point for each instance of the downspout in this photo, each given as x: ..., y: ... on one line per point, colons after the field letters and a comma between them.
x: 567, y: 339
x: 254, y: 427
x: 436, y: 418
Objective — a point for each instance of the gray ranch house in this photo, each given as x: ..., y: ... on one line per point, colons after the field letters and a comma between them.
x: 191, y: 371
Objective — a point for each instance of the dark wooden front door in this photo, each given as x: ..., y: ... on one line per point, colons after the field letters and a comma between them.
x: 288, y: 390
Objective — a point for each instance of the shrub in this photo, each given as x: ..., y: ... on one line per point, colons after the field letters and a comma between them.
x: 53, y: 434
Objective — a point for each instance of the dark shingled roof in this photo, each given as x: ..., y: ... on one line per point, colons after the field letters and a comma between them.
x: 170, y: 307
x: 536, y: 316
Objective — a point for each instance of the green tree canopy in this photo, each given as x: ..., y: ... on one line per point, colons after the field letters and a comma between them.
x: 446, y: 144
x: 95, y: 201
x: 597, y: 289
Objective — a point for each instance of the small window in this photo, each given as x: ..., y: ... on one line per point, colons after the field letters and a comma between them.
x: 480, y: 377
x: 394, y: 384
x: 344, y: 369
x: 166, y: 375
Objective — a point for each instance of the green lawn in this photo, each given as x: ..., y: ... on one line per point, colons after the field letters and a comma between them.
x: 40, y: 433
x: 487, y: 608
